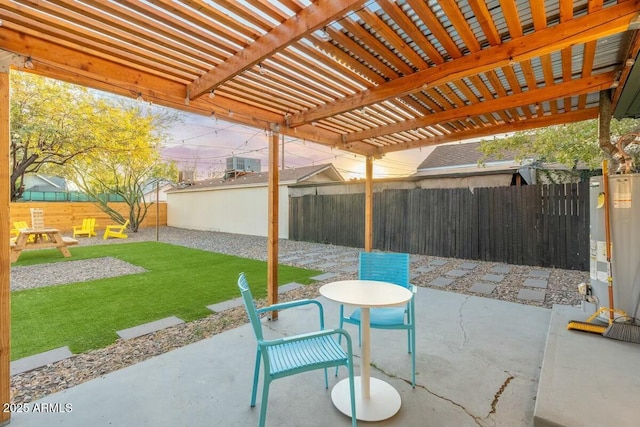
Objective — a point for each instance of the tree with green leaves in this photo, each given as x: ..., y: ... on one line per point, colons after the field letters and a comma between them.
x: 125, y: 176
x: 102, y: 143
x: 52, y: 123
x: 127, y: 161
x: 570, y: 144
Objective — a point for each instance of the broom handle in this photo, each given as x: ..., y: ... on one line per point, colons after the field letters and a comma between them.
x: 607, y: 232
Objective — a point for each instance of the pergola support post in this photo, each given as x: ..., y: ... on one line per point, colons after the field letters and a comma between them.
x: 5, y: 264
x: 604, y: 123
x: 272, y: 234
x: 368, y: 206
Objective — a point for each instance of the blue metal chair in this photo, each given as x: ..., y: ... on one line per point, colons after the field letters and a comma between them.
x: 393, y: 268
x: 295, y: 354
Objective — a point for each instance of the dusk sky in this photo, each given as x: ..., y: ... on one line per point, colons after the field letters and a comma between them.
x: 205, y: 143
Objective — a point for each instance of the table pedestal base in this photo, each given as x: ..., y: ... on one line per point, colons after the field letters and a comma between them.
x: 383, y: 403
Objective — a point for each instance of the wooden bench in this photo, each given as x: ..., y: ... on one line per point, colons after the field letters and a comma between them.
x: 53, y: 239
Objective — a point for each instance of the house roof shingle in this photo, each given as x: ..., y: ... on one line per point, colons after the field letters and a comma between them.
x: 466, y: 154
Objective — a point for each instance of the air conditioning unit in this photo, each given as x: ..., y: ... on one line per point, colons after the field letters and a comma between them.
x: 242, y: 164
x: 186, y: 176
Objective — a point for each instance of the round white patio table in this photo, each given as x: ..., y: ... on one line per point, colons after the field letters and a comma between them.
x: 376, y: 400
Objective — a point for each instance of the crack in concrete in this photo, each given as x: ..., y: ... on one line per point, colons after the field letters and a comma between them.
x: 461, y: 323
x: 280, y: 332
x: 496, y: 397
x: 425, y: 388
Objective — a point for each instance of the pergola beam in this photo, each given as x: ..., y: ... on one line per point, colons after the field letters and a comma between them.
x: 309, y: 19
x: 597, y: 25
x: 548, y: 93
x: 153, y: 88
x: 533, y: 123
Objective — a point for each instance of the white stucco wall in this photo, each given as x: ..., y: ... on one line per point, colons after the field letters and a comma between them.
x: 239, y: 210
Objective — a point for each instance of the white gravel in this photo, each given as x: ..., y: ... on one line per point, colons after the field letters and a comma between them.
x: 36, y: 276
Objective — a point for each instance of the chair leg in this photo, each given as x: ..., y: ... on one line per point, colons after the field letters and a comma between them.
x: 263, y: 405
x: 412, y: 332
x: 354, y: 421
x: 256, y: 374
x: 326, y: 379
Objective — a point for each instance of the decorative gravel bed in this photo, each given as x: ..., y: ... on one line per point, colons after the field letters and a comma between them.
x: 40, y: 382
x: 36, y: 276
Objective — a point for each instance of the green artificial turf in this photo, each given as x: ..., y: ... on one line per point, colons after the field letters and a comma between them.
x: 180, y: 282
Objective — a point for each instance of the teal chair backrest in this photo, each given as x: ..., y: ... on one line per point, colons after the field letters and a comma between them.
x: 385, y: 267
x: 250, y: 305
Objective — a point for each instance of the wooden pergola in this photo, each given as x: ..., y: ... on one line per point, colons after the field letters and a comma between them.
x: 367, y: 77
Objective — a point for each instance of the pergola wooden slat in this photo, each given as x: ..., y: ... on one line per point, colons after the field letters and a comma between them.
x: 368, y: 77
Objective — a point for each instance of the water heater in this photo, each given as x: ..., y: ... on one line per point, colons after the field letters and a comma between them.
x: 624, y: 215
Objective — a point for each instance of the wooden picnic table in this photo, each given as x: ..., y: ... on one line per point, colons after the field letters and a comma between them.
x: 55, y: 240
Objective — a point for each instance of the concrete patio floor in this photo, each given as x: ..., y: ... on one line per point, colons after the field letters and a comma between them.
x: 478, y: 363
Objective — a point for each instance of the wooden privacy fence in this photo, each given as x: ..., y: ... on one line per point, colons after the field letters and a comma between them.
x: 64, y: 216
x: 529, y: 225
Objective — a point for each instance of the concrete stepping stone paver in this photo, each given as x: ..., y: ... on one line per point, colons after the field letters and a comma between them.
x: 468, y: 265
x: 539, y: 273
x: 456, y: 273
x: 441, y: 281
x: 349, y: 269
x: 38, y: 360
x: 327, y: 265
x: 307, y: 261
x: 289, y: 259
x: 493, y: 277
x: 324, y: 276
x: 413, y: 276
x: 536, y: 283
x: 226, y: 305
x: 289, y: 287
x: 351, y: 259
x: 438, y: 262
x: 147, y: 328
x: 531, y: 295
x: 426, y: 269
x: 501, y: 269
x: 314, y: 254
x: 482, y: 288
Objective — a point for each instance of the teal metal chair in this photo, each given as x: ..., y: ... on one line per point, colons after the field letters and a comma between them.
x: 291, y: 355
x: 393, y: 268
